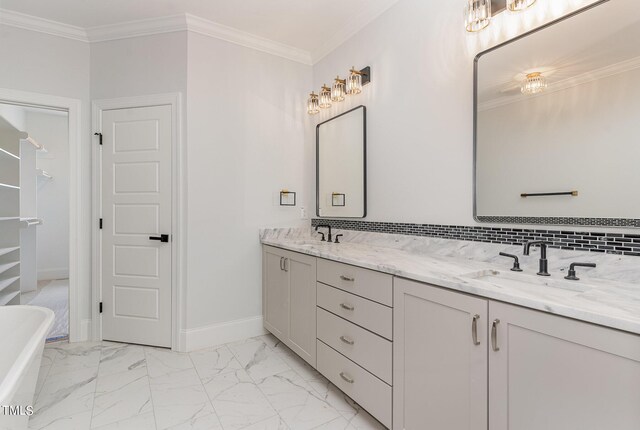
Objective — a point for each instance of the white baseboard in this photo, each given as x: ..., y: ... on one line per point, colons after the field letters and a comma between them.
x: 48, y: 274
x: 220, y: 333
x: 85, y: 332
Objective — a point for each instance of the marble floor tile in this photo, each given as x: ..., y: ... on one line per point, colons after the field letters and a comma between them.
x: 66, y: 395
x: 120, y: 396
x: 359, y: 418
x: 258, y: 359
x: 255, y: 384
x: 270, y: 340
x: 120, y: 357
x: 295, y: 362
x: 337, y: 424
x: 75, y: 356
x: 299, y: 405
x: 161, y: 361
x: 237, y: 400
x: 139, y: 422
x: 180, y: 401
x: 214, y: 361
x: 273, y: 423
x: 78, y: 421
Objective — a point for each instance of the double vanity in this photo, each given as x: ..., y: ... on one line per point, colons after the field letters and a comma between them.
x: 422, y: 339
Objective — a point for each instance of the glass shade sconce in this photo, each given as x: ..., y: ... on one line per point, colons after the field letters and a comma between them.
x: 477, y: 13
x: 339, y: 91
x: 325, y: 97
x: 519, y: 5
x: 534, y: 83
x: 313, y: 106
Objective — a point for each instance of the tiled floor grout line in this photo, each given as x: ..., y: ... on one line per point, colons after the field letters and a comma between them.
x: 44, y: 380
x: 258, y: 339
x: 205, y: 388
x: 93, y: 400
x: 153, y: 408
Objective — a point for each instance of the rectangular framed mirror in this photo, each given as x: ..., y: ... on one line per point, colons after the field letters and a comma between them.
x: 557, y: 120
x: 341, y: 165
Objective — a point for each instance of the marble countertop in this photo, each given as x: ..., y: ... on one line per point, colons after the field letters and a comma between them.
x: 609, y: 296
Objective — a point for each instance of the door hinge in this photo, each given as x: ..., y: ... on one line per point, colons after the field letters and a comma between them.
x: 99, y: 137
x: 100, y: 223
x: 100, y: 307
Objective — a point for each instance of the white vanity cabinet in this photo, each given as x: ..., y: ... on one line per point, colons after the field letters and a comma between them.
x: 417, y: 356
x: 542, y: 371
x: 440, y: 358
x: 556, y: 373
x: 289, y: 299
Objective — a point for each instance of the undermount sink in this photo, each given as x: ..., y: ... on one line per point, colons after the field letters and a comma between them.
x: 529, y: 283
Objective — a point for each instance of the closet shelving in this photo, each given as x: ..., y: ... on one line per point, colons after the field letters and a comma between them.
x: 10, y: 213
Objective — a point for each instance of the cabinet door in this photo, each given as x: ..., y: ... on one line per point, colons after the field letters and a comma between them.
x: 555, y: 373
x: 440, y: 373
x: 275, y: 292
x: 302, y: 305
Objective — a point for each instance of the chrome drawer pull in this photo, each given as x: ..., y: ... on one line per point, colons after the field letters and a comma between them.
x: 347, y: 307
x: 347, y: 340
x: 346, y: 278
x: 494, y: 335
x: 474, y: 329
x: 346, y: 378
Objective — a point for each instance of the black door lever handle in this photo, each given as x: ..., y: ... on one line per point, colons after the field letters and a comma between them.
x: 161, y: 238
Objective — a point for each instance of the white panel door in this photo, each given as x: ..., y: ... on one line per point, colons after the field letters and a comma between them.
x: 554, y: 373
x: 439, y: 359
x: 136, y: 212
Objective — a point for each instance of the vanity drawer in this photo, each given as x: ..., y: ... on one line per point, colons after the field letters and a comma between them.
x: 370, y: 315
x: 367, y: 390
x: 369, y: 350
x: 362, y: 282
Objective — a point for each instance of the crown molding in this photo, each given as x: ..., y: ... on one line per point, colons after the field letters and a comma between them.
x: 188, y: 22
x: 584, y: 78
x: 205, y: 27
x: 348, y: 31
x: 41, y: 25
x: 142, y: 27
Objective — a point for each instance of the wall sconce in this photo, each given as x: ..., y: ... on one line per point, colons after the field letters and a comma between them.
x: 477, y: 13
x: 312, y: 104
x: 357, y: 79
x: 325, y: 97
x: 519, y: 5
x: 534, y: 83
x: 339, y: 90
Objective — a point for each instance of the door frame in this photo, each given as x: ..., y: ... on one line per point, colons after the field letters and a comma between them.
x: 78, y: 329
x: 178, y: 208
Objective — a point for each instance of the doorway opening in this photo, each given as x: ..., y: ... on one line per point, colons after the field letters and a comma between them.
x: 44, y: 210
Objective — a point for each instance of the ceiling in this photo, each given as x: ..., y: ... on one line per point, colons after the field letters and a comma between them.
x: 302, y: 24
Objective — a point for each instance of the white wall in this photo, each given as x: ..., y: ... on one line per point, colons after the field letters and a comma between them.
x: 246, y: 135
x: 420, y: 105
x: 139, y: 66
x: 40, y: 63
x: 52, y: 131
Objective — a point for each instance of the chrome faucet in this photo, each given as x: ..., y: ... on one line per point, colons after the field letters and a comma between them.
x: 544, y: 264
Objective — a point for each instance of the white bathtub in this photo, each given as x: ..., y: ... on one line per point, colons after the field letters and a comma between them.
x: 24, y: 331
